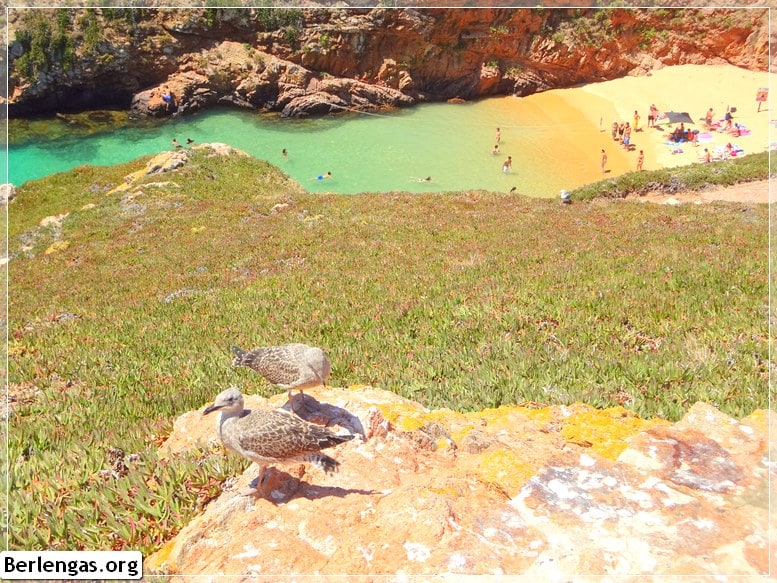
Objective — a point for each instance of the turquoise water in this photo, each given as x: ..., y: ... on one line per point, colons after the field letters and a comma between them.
x: 365, y: 152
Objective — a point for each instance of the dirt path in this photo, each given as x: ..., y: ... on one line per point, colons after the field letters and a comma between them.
x: 756, y: 192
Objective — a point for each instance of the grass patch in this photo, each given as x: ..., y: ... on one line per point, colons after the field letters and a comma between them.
x: 672, y: 180
x: 461, y: 300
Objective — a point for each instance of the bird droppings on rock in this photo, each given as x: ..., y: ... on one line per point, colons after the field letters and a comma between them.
x: 551, y: 492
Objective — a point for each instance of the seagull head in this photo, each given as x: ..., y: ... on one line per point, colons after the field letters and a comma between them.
x: 228, y: 401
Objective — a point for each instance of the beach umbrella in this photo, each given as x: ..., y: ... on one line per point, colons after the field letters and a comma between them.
x: 678, y: 117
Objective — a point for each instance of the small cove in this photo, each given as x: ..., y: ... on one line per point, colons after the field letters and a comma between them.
x: 366, y: 152
x: 555, y: 137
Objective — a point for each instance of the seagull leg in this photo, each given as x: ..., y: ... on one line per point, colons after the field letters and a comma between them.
x: 291, y: 404
x: 259, y: 489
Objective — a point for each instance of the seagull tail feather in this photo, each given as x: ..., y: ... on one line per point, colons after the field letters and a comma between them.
x: 239, y: 355
x: 323, y: 462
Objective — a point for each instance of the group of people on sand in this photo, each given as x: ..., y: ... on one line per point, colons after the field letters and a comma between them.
x: 727, y: 124
x: 621, y: 132
x: 680, y: 134
x: 640, y: 161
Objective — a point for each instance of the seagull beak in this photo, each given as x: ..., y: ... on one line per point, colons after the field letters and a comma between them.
x: 211, y: 408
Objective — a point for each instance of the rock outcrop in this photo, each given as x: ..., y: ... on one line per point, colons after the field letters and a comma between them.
x: 314, y: 61
x: 549, y: 492
x: 170, y: 160
x: 268, y: 83
x: 7, y: 193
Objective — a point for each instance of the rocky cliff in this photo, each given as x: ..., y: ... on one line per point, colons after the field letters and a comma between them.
x: 312, y: 61
x: 552, y: 492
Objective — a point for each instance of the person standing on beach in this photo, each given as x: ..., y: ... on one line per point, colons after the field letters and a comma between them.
x: 615, y: 130
x: 707, y: 156
x: 498, y: 135
x: 636, y: 121
x: 640, y: 160
x: 627, y: 136
x: 708, y: 118
x: 604, y: 160
x: 507, y: 165
x: 654, y: 112
x: 651, y: 116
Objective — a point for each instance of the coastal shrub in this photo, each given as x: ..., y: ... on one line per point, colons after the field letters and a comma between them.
x: 671, y: 180
x: 35, y: 43
x: 91, y: 29
x: 277, y: 18
x: 324, y: 41
x: 45, y: 48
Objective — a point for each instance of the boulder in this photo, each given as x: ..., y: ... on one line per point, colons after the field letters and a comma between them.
x: 546, y: 493
x: 7, y: 193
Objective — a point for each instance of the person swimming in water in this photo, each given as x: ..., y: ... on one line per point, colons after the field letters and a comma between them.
x: 427, y: 179
x: 323, y: 176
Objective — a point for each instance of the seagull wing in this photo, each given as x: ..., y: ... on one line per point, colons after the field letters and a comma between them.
x: 277, y: 435
x: 277, y: 364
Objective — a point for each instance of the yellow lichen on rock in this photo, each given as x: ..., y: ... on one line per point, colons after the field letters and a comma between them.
x: 505, y: 469
x: 158, y: 561
x: 403, y: 417
x: 55, y: 247
x: 502, y: 418
x: 606, y: 432
x: 759, y: 418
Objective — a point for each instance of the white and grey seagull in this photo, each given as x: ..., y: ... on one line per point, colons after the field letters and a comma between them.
x: 290, y: 366
x: 267, y: 436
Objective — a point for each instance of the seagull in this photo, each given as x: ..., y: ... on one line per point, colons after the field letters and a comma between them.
x: 290, y: 366
x: 266, y: 436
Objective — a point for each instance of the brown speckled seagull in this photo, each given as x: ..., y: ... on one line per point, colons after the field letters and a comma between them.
x: 266, y: 436
x: 290, y: 366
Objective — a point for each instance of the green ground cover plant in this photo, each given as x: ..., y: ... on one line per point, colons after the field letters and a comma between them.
x: 671, y: 180
x: 463, y: 300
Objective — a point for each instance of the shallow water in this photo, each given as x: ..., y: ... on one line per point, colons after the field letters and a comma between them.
x: 365, y: 152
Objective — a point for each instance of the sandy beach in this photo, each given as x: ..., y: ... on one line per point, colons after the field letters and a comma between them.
x: 686, y: 88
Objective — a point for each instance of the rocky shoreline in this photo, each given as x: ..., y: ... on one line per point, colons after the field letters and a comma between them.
x: 161, y: 62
